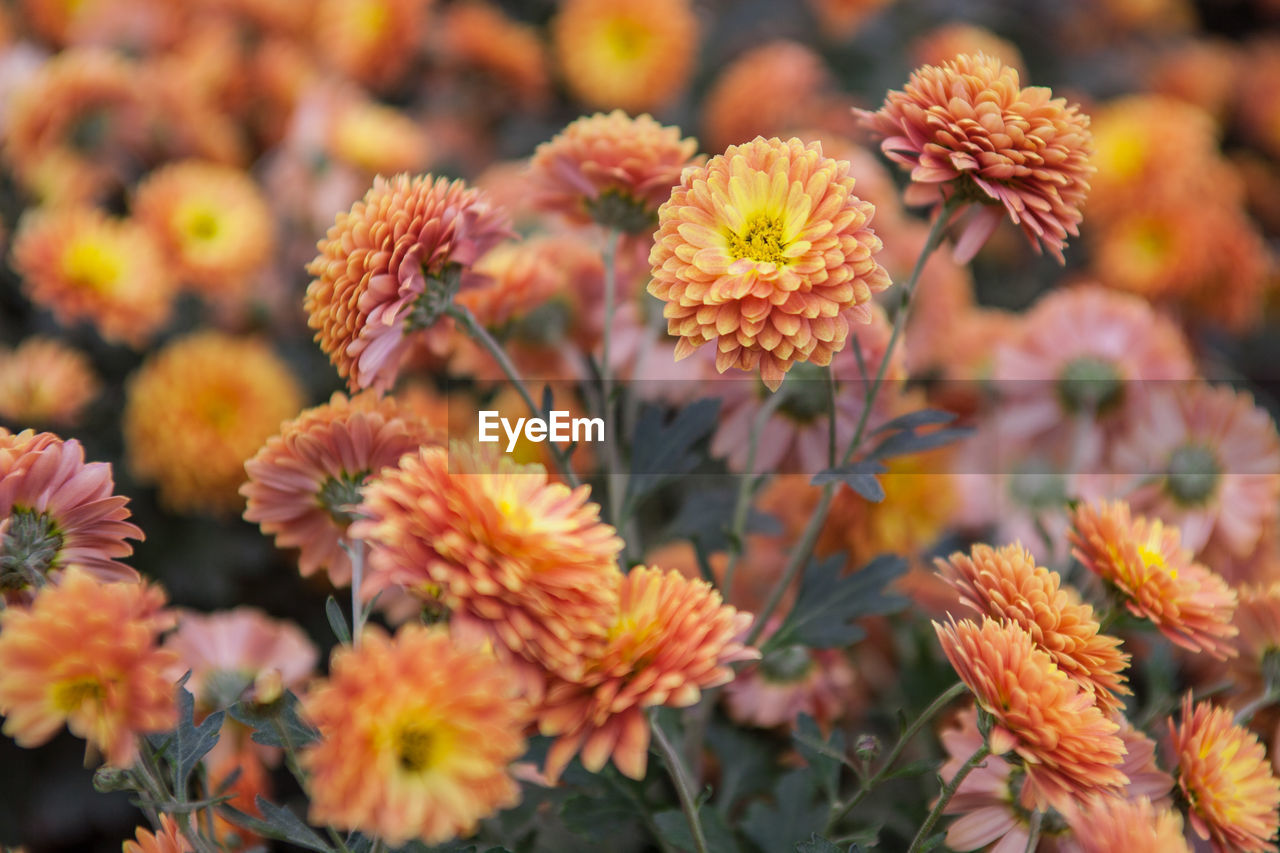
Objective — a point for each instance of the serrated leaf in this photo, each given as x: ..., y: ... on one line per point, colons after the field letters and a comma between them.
x: 279, y: 823
x: 747, y: 764
x: 337, y: 621
x: 706, y: 516
x: 191, y: 742
x: 278, y: 724
x: 859, y: 476
x: 789, y: 818
x: 909, y: 441
x: 915, y: 420
x: 663, y: 451
x: 826, y: 756
x: 674, y: 829
x: 828, y: 603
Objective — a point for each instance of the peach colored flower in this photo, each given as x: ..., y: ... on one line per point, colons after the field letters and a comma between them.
x: 610, y: 168
x: 1259, y: 106
x: 1145, y: 560
x: 197, y: 409
x: 766, y: 251
x: 44, y: 381
x: 634, y: 55
x: 766, y: 91
x: 213, y: 222
x: 388, y: 268
x: 56, y: 511
x: 374, y: 42
x: 305, y: 482
x: 1233, y: 798
x: 788, y: 682
x: 524, y: 560
x: 671, y: 638
x: 968, y: 129
x: 1006, y: 583
x: 86, y: 266
x: 1258, y: 643
x: 1210, y: 459
x: 1204, y: 72
x: 1115, y: 825
x: 1070, y: 750
x: 478, y: 35
x: 416, y: 738
x: 374, y: 138
x: 168, y: 839
x: 842, y: 19
x: 956, y: 37
x: 85, y: 653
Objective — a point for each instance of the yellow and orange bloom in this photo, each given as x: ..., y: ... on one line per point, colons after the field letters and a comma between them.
x: 44, y: 381
x: 57, y: 511
x: 766, y: 251
x: 968, y: 130
x: 671, y: 638
x: 197, y: 409
x: 1070, y: 749
x: 416, y: 738
x: 1118, y: 825
x: 956, y: 37
x: 634, y: 55
x: 1006, y: 583
x: 85, y: 266
x: 375, y: 138
x: 305, y: 483
x: 1145, y: 560
x: 479, y: 35
x: 611, y: 168
x: 213, y: 222
x: 168, y: 839
x: 1233, y: 798
x: 390, y: 266
x: 86, y: 653
x: 769, y: 90
x: 375, y: 42
x: 525, y: 561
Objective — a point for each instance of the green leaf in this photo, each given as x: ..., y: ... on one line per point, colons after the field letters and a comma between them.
x: 909, y: 441
x: 828, y: 603
x: 914, y: 768
x: 278, y: 724
x: 191, y: 742
x: 826, y: 756
x: 747, y: 764
x: 791, y: 816
x: 817, y: 844
x: 706, y: 515
x: 337, y: 621
x: 674, y: 829
x: 663, y: 451
x: 859, y: 476
x: 279, y: 823
x: 914, y: 420
x: 598, y: 818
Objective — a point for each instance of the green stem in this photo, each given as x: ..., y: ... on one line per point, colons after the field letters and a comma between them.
x: 684, y: 787
x: 947, y: 793
x: 480, y: 335
x: 1033, y: 832
x: 356, y: 551
x: 615, y: 477
x: 840, y: 812
x: 1245, y: 714
x: 742, y: 506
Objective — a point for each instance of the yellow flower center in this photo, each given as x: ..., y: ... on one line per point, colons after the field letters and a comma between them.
x: 200, y: 223
x: 370, y: 20
x: 1152, y: 557
x: 420, y: 747
x: 93, y: 265
x: 1122, y: 152
x: 70, y: 696
x: 762, y: 240
x: 627, y: 39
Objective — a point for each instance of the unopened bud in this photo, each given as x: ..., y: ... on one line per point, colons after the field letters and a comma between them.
x: 867, y: 748
x: 108, y: 779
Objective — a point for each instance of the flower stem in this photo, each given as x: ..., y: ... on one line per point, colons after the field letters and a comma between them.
x: 742, y: 507
x: 356, y: 551
x: 1245, y: 714
x: 684, y: 787
x: 480, y: 335
x: 615, y: 477
x: 947, y: 793
x: 1033, y: 831
x: 840, y: 812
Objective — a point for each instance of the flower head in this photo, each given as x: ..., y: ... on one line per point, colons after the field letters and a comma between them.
x: 212, y: 220
x: 671, y: 638
x: 526, y: 560
x: 85, y: 653
x: 372, y: 41
x: 770, y: 89
x: 390, y: 266
x: 1006, y: 583
x: 766, y: 251
x: 969, y: 129
x: 197, y: 409
x: 56, y: 511
x: 1144, y: 559
x: 633, y: 55
x: 86, y: 266
x: 1069, y: 748
x: 168, y: 839
x: 44, y: 381
x: 480, y: 35
x: 1258, y: 618
x: 611, y: 168
x: 416, y: 737
x: 1118, y: 825
x: 1232, y: 796
x: 305, y: 483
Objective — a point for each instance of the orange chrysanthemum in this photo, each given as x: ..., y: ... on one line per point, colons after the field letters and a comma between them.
x: 373, y: 41
x: 44, y: 381
x: 956, y: 37
x: 85, y: 653
x: 612, y: 169
x: 197, y: 409
x: 416, y: 736
x: 375, y: 138
x: 671, y: 638
x: 58, y: 511
x: 525, y: 559
x: 1233, y: 799
x: 1258, y: 644
x: 968, y: 129
x: 168, y: 839
x: 1006, y: 583
x: 305, y: 483
x: 212, y: 220
x: 766, y: 251
x: 1145, y: 560
x: 1118, y: 825
x: 479, y: 35
x: 634, y: 55
x: 388, y: 267
x: 1069, y: 747
x: 770, y: 89
x: 86, y: 266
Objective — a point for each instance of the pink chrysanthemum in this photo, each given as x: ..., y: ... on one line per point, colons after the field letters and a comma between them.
x: 766, y: 251
x: 44, y: 381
